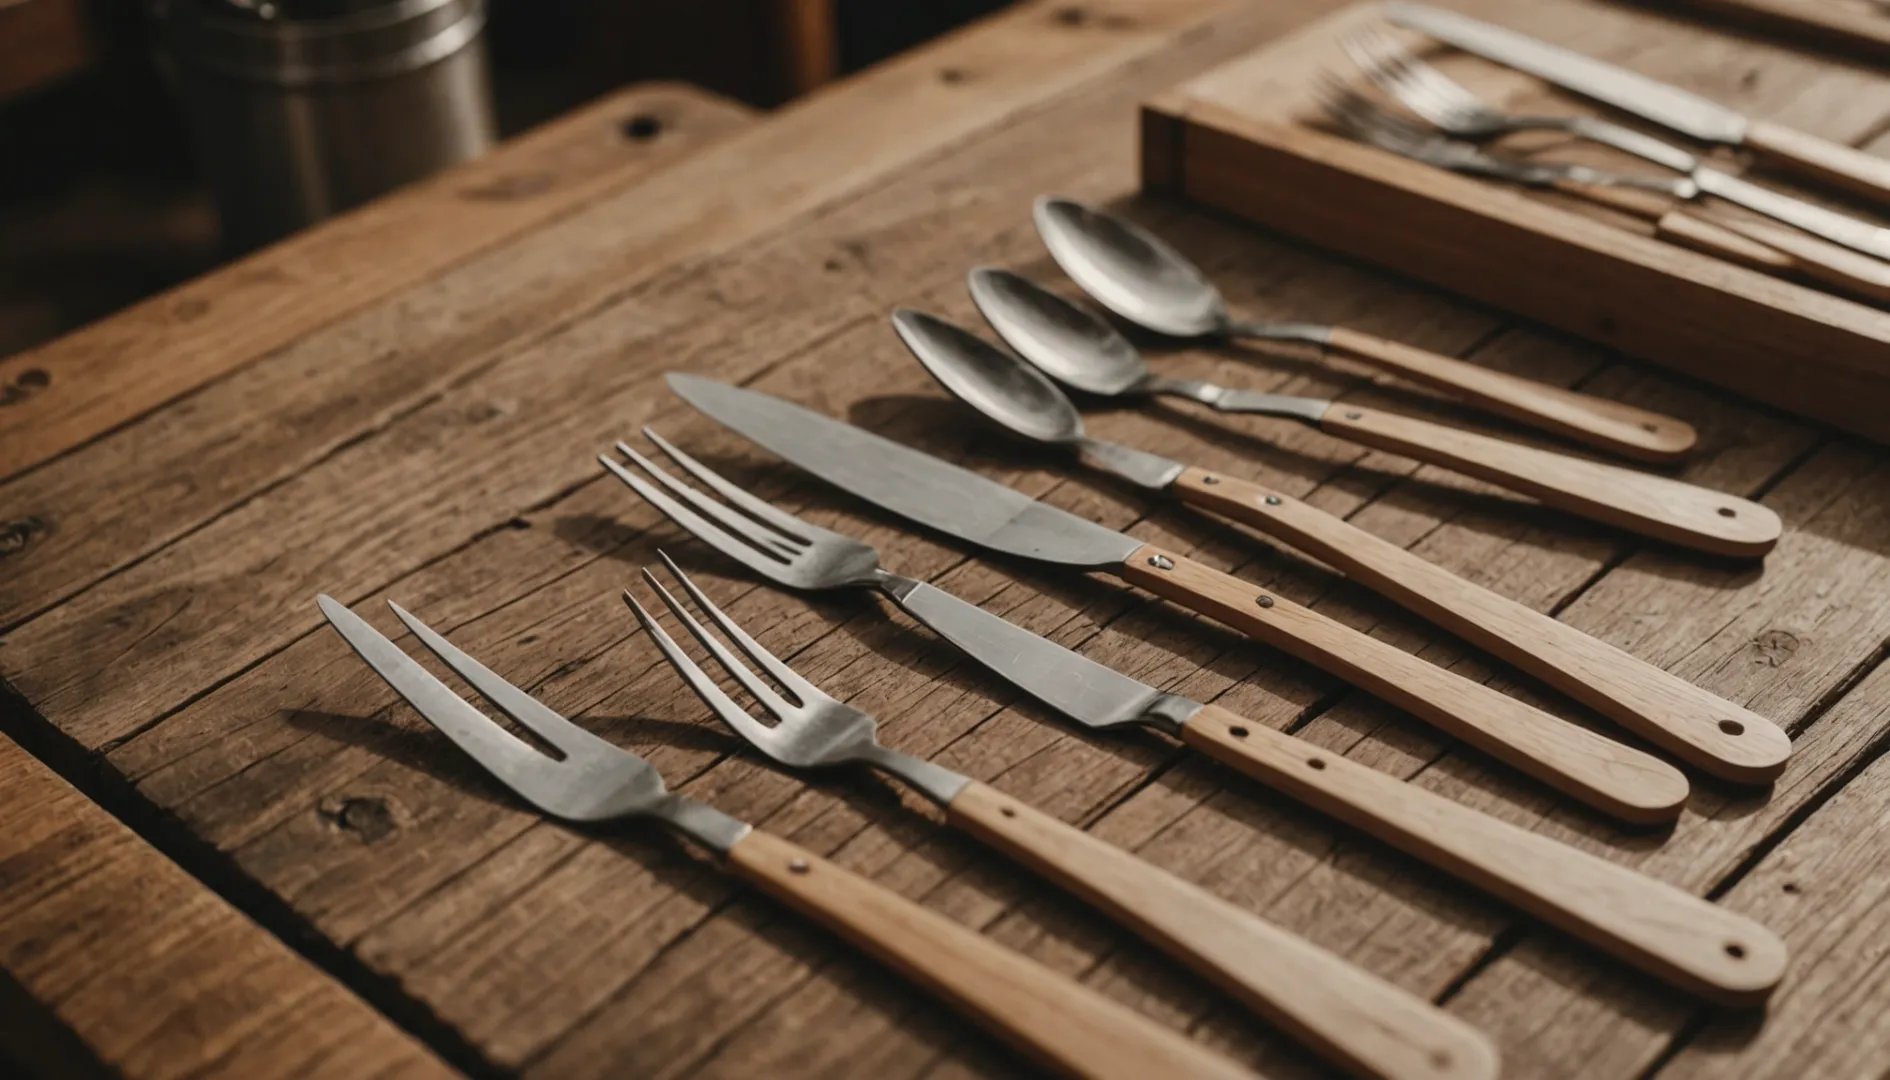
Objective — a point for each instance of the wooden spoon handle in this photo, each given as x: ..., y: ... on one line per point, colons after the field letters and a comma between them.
x: 1655, y: 506
x: 1615, y: 779
x: 1827, y: 162
x: 1053, y: 1019
x: 1700, y: 728
x: 1688, y: 941
x: 1609, y: 425
x: 1353, y: 1019
x: 1838, y: 268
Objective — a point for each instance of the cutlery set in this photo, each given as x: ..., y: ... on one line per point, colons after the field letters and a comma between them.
x: 1349, y: 1017
x: 1441, y: 123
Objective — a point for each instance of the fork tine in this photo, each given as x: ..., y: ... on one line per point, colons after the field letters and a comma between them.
x: 514, y: 762
x: 766, y: 511
x: 750, y: 681
x: 785, y: 547
x: 767, y: 564
x: 573, y: 740
x: 718, y: 702
x: 773, y: 665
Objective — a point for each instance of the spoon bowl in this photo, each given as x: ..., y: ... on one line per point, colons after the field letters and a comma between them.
x: 1065, y: 342
x: 1130, y: 271
x: 1008, y: 391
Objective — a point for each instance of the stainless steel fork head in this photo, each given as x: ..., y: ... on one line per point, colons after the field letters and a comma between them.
x: 812, y: 729
x: 1430, y: 93
x: 773, y: 543
x: 594, y: 781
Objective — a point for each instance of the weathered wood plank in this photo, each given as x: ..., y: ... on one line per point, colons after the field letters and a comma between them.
x: 123, y: 367
x: 155, y: 481
x: 153, y: 975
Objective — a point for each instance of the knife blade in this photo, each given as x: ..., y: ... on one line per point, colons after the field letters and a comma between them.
x: 906, y: 481
x: 1650, y: 99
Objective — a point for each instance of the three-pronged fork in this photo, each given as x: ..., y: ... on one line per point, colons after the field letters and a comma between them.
x: 1354, y: 1019
x: 1674, y: 935
x: 1053, y: 1019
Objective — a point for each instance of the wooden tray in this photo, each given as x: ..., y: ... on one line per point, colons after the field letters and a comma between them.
x: 1854, y: 27
x: 1244, y: 138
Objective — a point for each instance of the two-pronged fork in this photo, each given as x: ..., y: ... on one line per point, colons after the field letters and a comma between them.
x: 1352, y: 1018
x: 1056, y: 1021
x: 1674, y: 935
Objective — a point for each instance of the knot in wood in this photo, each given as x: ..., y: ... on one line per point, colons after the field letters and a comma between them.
x: 367, y: 817
x: 16, y: 535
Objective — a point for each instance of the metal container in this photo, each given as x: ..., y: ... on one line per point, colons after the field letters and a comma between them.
x: 301, y: 108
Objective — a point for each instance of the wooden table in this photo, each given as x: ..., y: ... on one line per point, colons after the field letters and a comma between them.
x: 406, y: 403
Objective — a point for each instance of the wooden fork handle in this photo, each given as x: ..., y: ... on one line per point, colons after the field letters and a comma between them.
x: 1827, y: 162
x: 1656, y: 506
x: 1699, y: 727
x: 1596, y: 421
x: 1838, y: 269
x: 1674, y: 935
x: 1056, y: 1021
x: 1353, y: 1019
x: 1613, y: 778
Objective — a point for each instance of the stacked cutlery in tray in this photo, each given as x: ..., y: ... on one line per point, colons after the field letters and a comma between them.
x: 1392, y: 132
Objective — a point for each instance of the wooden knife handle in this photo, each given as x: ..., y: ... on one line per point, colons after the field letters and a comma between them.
x: 1613, y: 778
x: 1700, y: 728
x: 1684, y: 939
x: 1837, y: 268
x: 1827, y: 162
x: 1655, y: 506
x: 1609, y: 425
x: 1353, y: 1019
x: 1049, y: 1017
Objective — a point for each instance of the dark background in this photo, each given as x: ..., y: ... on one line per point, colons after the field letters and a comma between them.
x: 100, y: 203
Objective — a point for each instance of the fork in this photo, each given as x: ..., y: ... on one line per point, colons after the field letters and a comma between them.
x: 1452, y: 108
x: 1049, y: 1017
x: 1760, y: 245
x: 1688, y: 941
x: 1352, y: 1018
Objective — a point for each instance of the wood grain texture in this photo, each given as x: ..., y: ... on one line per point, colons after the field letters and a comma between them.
x: 1656, y: 506
x: 1853, y: 27
x: 1674, y: 935
x: 153, y: 974
x: 1618, y: 780
x: 1609, y: 425
x: 1248, y: 150
x: 1787, y: 149
x: 98, y: 378
x: 1051, y: 1018
x: 1364, y: 1025
x: 559, y: 955
x: 1782, y: 249
x: 1700, y: 728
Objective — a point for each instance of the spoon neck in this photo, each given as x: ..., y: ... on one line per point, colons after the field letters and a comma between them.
x: 1304, y: 333
x: 1206, y: 393
x: 1136, y: 466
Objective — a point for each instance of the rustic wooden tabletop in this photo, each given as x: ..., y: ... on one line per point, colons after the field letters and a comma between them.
x: 406, y: 403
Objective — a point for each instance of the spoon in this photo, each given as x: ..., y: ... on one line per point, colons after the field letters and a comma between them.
x: 1713, y: 734
x: 1130, y: 271
x: 1082, y: 351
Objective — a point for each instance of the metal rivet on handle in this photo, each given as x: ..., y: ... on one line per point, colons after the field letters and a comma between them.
x: 1210, y: 479
x: 1265, y: 601
x: 1273, y: 500
x: 1161, y: 562
x: 1353, y: 415
x: 798, y: 866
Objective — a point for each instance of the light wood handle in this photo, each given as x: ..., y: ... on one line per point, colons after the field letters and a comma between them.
x: 1837, y: 268
x: 1655, y: 506
x: 1613, y: 778
x: 1353, y: 1019
x: 1609, y: 425
x: 1688, y: 941
x: 1699, y: 727
x: 1711, y: 238
x: 1056, y: 1021
x: 1827, y: 162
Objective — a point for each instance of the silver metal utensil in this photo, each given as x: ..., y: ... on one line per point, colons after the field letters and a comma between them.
x: 1670, y: 107
x: 1450, y: 107
x: 1090, y: 355
x: 1133, y: 273
x: 1688, y: 941
x: 1355, y: 1020
x: 1702, y: 728
x: 1057, y: 1022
